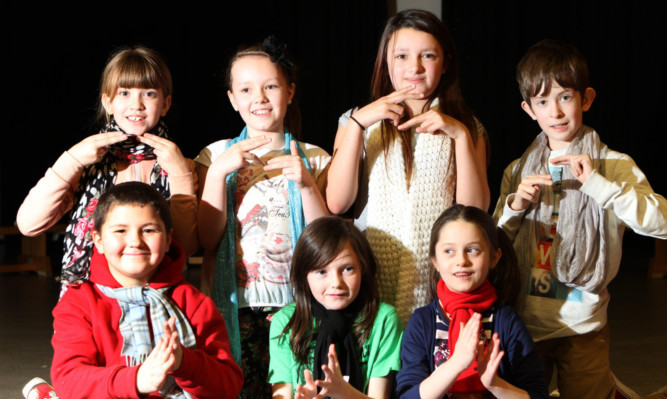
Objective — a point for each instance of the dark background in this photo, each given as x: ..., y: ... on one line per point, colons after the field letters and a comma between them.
x: 54, y: 55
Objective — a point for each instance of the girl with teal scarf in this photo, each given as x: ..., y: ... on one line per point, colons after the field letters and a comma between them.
x: 260, y: 191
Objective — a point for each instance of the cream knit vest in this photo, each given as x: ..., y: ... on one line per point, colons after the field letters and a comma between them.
x: 399, y: 221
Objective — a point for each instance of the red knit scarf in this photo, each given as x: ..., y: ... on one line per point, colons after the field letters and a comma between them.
x: 460, y: 307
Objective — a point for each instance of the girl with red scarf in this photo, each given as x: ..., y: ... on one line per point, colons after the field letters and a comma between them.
x: 475, y: 345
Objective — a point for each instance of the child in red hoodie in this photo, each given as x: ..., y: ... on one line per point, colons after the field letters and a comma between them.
x: 137, y: 329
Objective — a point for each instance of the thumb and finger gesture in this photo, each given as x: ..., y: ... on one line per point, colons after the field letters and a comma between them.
x: 292, y: 167
x: 581, y: 165
x: 529, y: 189
x: 168, y: 154
x: 387, y: 107
x: 309, y: 389
x: 435, y: 122
x: 239, y: 155
x: 91, y: 149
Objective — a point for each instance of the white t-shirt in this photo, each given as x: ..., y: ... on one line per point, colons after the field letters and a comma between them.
x: 263, y: 241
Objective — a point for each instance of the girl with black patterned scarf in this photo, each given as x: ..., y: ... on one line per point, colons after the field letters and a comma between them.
x: 133, y: 145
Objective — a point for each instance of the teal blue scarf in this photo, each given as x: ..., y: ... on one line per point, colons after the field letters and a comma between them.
x: 224, y: 278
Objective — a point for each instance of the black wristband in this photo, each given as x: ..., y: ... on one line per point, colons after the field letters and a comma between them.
x: 357, y: 122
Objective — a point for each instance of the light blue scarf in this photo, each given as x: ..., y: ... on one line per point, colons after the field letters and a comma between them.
x: 134, y: 326
x: 224, y: 279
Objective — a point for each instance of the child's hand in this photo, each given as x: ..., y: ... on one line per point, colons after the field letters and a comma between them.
x: 581, y: 165
x: 309, y: 390
x: 434, y: 122
x: 166, y: 356
x: 171, y: 335
x: 168, y: 154
x: 153, y: 371
x: 387, y: 107
x: 334, y: 385
x: 528, y: 191
x: 466, y: 346
x: 91, y: 149
x: 237, y: 156
x: 488, y: 362
x: 292, y: 167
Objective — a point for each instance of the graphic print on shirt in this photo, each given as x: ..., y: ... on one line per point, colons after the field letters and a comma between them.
x: 263, y: 238
x: 543, y: 283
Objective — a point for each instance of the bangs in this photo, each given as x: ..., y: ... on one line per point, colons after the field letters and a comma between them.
x: 138, y: 77
x: 550, y: 61
x: 327, y: 253
x: 137, y: 71
x: 541, y: 85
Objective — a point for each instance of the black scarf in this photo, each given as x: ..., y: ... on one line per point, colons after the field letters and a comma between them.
x: 96, y: 179
x: 335, y: 327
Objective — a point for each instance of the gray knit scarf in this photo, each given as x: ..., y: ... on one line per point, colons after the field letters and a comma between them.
x: 580, y: 244
x: 134, y: 327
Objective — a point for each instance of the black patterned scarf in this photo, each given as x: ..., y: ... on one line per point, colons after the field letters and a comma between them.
x: 94, y: 180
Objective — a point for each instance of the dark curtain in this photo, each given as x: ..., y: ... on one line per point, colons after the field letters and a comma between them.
x: 55, y: 53
x: 623, y: 43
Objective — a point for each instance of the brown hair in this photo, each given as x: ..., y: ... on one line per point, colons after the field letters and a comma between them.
x: 547, y: 61
x: 131, y: 193
x: 505, y: 277
x: 448, y: 90
x: 320, y: 242
x: 131, y: 67
x: 276, y: 51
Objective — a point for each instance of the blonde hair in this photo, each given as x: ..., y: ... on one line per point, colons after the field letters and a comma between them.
x: 130, y: 67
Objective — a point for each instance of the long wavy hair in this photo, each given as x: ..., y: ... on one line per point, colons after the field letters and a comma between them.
x: 320, y: 243
x: 448, y: 90
x: 505, y: 277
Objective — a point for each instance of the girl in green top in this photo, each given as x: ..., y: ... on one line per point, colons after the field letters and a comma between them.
x: 337, y: 338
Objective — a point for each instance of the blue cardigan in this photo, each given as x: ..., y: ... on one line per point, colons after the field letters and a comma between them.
x: 520, y: 366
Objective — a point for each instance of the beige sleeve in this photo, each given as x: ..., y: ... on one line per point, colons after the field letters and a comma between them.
x: 183, y: 204
x: 51, y: 198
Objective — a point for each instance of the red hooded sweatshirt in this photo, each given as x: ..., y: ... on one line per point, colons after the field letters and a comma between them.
x: 87, y: 341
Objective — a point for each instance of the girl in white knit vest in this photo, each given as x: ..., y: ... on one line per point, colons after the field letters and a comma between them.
x: 408, y: 155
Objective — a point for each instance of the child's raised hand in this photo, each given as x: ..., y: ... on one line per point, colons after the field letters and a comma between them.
x: 292, y: 167
x: 387, y: 107
x: 309, y: 390
x: 466, y: 345
x: 91, y: 149
x: 166, y: 356
x: 334, y: 385
x: 528, y: 191
x: 434, y: 122
x: 237, y: 156
x: 153, y: 371
x: 581, y: 165
x: 168, y: 154
x: 171, y: 335
x: 488, y: 361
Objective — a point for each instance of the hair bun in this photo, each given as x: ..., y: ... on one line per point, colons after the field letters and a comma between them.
x: 277, y: 51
